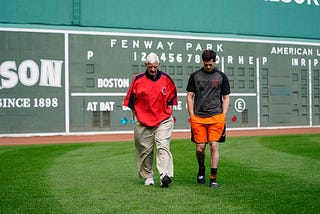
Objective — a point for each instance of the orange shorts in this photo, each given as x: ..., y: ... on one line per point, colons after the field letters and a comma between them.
x: 208, y: 128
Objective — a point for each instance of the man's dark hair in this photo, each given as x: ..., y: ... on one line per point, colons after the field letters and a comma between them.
x: 207, y: 55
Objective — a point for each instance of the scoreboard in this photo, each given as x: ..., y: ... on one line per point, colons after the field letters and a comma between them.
x: 55, y: 81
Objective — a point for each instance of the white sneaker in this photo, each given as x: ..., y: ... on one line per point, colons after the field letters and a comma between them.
x: 149, y: 181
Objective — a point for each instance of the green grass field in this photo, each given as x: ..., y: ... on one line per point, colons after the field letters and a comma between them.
x: 272, y: 174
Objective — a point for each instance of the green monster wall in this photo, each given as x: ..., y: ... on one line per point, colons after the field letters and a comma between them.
x: 72, y: 77
x: 75, y: 81
x: 284, y: 18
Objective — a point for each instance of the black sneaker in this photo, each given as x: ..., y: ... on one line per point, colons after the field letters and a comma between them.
x: 214, y: 184
x: 165, y: 180
x: 201, y: 178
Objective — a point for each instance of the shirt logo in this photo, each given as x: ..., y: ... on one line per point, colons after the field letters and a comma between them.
x: 214, y: 83
x: 164, y: 91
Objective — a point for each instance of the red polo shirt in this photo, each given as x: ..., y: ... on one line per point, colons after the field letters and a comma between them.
x: 151, y: 98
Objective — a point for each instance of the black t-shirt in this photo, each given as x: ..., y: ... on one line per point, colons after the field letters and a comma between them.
x: 208, y: 87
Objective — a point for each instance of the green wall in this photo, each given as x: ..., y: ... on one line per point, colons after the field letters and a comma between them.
x: 58, y: 12
x: 54, y: 55
x: 31, y: 82
x: 54, y: 81
x: 276, y: 18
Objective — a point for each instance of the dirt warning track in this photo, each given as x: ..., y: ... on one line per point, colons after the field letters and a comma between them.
x: 23, y: 140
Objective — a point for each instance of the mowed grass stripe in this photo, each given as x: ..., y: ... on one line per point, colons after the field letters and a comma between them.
x: 92, y: 176
x: 275, y: 174
x: 271, y: 156
x: 24, y: 186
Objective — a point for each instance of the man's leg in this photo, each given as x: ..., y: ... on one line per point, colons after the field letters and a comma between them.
x: 164, y: 156
x: 143, y: 138
x: 200, y: 137
x: 214, y: 154
x: 200, y: 154
x: 214, y: 163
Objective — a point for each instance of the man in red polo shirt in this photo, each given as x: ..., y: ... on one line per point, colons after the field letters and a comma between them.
x: 151, y: 96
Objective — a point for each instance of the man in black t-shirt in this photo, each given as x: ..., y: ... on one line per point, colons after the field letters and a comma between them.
x: 208, y: 92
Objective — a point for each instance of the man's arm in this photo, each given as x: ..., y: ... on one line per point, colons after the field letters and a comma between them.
x: 190, y: 104
x: 225, y: 104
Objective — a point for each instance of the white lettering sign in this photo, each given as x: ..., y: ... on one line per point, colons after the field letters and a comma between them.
x: 29, y: 74
x: 147, y: 44
x: 178, y: 107
x: 239, y: 105
x: 101, y: 106
x: 291, y: 51
x: 298, y: 2
x: 113, y: 83
x: 26, y: 102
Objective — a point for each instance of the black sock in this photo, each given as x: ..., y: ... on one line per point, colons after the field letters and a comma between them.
x: 213, y: 175
x: 201, y: 164
x: 202, y: 168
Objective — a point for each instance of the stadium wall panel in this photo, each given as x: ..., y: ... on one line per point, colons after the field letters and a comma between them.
x: 65, y: 66
x: 74, y: 81
x: 277, y: 18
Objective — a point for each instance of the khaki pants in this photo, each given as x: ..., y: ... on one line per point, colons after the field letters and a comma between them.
x: 145, y: 138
